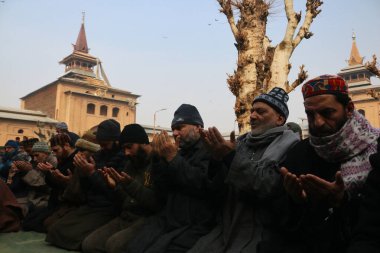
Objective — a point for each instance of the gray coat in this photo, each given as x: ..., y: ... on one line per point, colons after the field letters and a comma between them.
x: 254, y: 212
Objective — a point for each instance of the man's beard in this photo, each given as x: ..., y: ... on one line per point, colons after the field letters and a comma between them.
x: 189, y: 141
x: 141, y: 158
x: 327, y: 131
x: 261, y: 127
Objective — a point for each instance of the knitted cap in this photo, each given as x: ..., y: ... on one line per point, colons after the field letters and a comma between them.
x: 187, y: 114
x: 11, y: 143
x: 87, y: 145
x: 277, y: 99
x: 108, y: 130
x: 133, y: 133
x: 62, y: 125
x: 41, y: 147
x: 325, y: 84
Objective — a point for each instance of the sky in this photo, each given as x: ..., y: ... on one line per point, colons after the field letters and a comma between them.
x: 169, y: 51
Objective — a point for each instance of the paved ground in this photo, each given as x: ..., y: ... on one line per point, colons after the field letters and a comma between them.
x: 26, y: 242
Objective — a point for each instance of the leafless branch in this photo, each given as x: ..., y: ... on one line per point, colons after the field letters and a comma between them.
x: 226, y: 8
x: 311, y: 12
x: 372, y: 66
x: 302, y: 75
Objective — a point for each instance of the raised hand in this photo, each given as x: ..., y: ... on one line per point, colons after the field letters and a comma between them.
x: 60, y: 177
x: 215, y: 142
x: 22, y: 165
x: 86, y: 167
x: 318, y: 189
x: 45, y: 167
x: 293, y: 186
x: 121, y: 177
x: 164, y: 146
x: 109, y: 180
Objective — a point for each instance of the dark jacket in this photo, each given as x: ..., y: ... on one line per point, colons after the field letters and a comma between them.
x: 138, y: 196
x: 94, y: 187
x: 321, y: 228
x: 192, y: 191
x: 366, y: 236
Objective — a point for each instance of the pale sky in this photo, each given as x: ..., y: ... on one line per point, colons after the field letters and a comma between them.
x: 168, y: 51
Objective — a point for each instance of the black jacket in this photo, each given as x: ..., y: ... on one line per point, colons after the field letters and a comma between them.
x: 320, y: 228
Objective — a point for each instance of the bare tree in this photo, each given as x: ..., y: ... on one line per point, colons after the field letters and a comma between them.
x: 260, y: 65
x: 372, y: 66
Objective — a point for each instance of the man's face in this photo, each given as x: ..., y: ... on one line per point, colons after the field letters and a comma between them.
x: 136, y: 152
x: 9, y: 149
x: 28, y: 149
x: 60, y: 152
x: 186, y: 135
x: 106, y: 145
x: 263, y: 117
x: 325, y: 115
x: 131, y: 149
x: 40, y: 157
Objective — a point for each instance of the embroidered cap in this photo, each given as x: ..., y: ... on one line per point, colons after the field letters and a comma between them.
x: 277, y: 99
x: 325, y: 84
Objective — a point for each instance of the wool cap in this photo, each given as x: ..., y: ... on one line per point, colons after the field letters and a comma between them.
x: 133, y: 133
x: 108, y: 130
x: 325, y: 84
x: 62, y: 125
x: 41, y: 147
x: 87, y: 145
x: 277, y: 99
x: 187, y: 114
x: 11, y: 143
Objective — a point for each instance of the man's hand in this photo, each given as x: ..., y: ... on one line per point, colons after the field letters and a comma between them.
x: 86, y: 167
x: 164, y: 146
x: 45, y: 167
x: 119, y: 178
x: 293, y: 186
x: 109, y: 180
x: 22, y: 165
x: 319, y: 189
x: 57, y: 174
x: 215, y: 142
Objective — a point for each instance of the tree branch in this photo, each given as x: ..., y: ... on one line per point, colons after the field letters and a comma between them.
x: 372, y: 66
x: 302, y: 75
x: 311, y: 12
x: 293, y: 20
x: 226, y: 8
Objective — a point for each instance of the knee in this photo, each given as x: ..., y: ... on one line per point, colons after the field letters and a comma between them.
x: 88, y: 244
x: 114, y: 246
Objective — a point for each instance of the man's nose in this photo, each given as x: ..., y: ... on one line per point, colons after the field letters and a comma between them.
x: 319, y: 121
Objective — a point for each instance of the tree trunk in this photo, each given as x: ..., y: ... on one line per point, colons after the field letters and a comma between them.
x: 261, y: 67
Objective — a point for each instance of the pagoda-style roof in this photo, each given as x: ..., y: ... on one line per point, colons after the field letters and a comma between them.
x: 77, y: 55
x: 81, y: 44
x: 355, y: 57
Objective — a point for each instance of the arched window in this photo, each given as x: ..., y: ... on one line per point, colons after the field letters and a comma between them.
x: 115, y: 112
x: 362, y: 112
x: 103, y: 110
x: 90, y: 108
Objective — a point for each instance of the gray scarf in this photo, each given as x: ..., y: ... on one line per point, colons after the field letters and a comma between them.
x: 273, y: 144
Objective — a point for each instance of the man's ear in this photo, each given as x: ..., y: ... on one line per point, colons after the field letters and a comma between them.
x: 350, y: 108
x: 280, y: 120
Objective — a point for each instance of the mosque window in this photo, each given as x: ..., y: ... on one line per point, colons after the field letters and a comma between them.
x: 90, y: 108
x: 362, y: 112
x: 115, y: 112
x: 103, y: 110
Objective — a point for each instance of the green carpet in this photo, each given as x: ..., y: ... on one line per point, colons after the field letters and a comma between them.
x: 26, y: 242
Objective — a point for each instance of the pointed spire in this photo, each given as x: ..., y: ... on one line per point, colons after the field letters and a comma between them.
x: 81, y: 44
x: 355, y: 57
